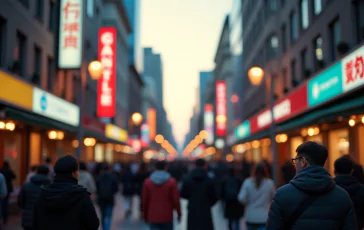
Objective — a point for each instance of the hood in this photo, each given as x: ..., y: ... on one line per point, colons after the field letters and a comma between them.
x: 199, y: 175
x: 61, y: 195
x: 313, y: 180
x: 40, y: 179
x: 159, y: 177
x: 349, y: 183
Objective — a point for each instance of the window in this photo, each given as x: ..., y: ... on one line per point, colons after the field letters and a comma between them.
x: 37, y: 65
x: 18, y: 66
x: 335, y: 37
x: 359, y: 15
x: 2, y: 39
x: 284, y: 81
x: 90, y: 8
x: 273, y: 46
x: 39, y: 4
x: 305, y: 71
x: 318, y: 53
x: 52, y: 16
x: 317, y: 5
x: 294, y: 81
x: 293, y: 26
x: 50, y: 74
x: 283, y: 34
x: 304, y: 14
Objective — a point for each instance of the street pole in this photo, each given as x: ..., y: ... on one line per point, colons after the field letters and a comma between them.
x: 80, y: 105
x: 273, y: 135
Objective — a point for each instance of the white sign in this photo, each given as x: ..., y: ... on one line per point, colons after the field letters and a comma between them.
x: 70, y: 34
x: 48, y: 105
x: 209, y: 127
x: 352, y: 67
x: 280, y: 110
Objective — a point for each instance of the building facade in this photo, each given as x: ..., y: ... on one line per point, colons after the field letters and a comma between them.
x: 153, y: 68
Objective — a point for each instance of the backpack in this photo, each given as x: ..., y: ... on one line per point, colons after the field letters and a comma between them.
x: 232, y: 189
x: 106, y: 187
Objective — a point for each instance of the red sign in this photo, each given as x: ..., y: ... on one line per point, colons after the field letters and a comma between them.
x: 93, y: 124
x: 221, y: 108
x: 290, y: 106
x: 107, y: 83
x: 353, y: 70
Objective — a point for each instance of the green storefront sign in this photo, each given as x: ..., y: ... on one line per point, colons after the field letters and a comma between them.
x: 243, y: 130
x: 325, y: 86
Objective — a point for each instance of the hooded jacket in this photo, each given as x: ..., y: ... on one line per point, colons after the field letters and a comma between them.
x: 332, y: 209
x: 64, y: 205
x: 356, y: 192
x: 160, y: 197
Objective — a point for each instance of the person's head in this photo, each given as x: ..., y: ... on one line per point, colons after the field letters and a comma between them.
x: 67, y: 166
x: 83, y: 166
x: 48, y: 160
x: 6, y: 165
x: 33, y: 168
x: 231, y: 171
x: 43, y: 170
x: 344, y: 166
x: 259, y: 173
x: 161, y: 165
x: 310, y: 153
x: 105, y: 167
x: 201, y: 164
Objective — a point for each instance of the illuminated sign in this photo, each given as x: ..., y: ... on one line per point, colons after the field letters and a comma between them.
x: 221, y: 108
x: 107, y: 83
x: 152, y: 123
x: 116, y: 133
x: 70, y: 34
x: 209, y: 124
x: 353, y: 69
x: 144, y: 129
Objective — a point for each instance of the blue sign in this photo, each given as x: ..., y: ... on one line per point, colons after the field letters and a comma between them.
x: 325, y: 86
x: 43, y: 102
x: 243, y: 130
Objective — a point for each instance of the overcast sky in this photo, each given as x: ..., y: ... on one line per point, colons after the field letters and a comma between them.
x: 186, y: 34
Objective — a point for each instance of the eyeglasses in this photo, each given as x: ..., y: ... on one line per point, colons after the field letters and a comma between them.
x: 295, y: 159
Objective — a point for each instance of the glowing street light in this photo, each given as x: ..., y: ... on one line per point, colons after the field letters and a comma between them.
x: 95, y: 69
x: 137, y: 118
x: 159, y: 139
x: 256, y: 75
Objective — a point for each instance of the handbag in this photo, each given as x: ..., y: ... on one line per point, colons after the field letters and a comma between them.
x: 304, y: 205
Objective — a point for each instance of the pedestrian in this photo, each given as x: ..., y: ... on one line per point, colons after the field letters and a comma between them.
x: 9, y: 177
x: 344, y: 168
x: 107, y: 187
x: 233, y: 209
x: 256, y: 194
x: 48, y: 162
x: 140, y: 178
x: 200, y: 192
x: 160, y: 198
x: 289, y: 171
x: 33, y: 171
x: 311, y: 200
x: 3, y: 193
x: 357, y: 169
x: 128, y: 181
x: 64, y: 204
x: 86, y: 179
x: 28, y: 195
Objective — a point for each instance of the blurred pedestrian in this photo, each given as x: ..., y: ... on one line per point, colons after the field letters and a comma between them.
x: 128, y: 181
x: 288, y: 171
x: 107, y: 187
x: 3, y: 194
x: 33, y: 171
x: 140, y: 178
x: 86, y: 180
x: 28, y: 195
x: 344, y: 168
x: 48, y: 162
x: 9, y: 177
x: 160, y: 198
x: 64, y: 204
x: 200, y: 192
x: 357, y: 169
x: 311, y: 200
x: 233, y: 209
x: 256, y: 194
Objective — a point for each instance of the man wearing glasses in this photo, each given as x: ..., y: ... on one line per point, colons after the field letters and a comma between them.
x: 311, y: 200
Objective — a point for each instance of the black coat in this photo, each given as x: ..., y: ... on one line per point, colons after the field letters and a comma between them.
x: 9, y: 177
x: 111, y: 188
x: 128, y: 180
x: 28, y: 195
x: 199, y: 190
x: 233, y: 209
x: 356, y: 192
x: 332, y: 209
x: 64, y: 205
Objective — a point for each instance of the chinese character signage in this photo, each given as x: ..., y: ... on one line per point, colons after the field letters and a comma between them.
x: 209, y: 124
x: 221, y: 108
x: 107, y: 83
x: 70, y: 34
x: 152, y: 122
x: 353, y: 69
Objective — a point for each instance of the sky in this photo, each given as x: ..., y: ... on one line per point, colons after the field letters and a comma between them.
x: 186, y: 34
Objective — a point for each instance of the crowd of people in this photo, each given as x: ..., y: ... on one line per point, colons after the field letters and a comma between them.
x: 64, y: 196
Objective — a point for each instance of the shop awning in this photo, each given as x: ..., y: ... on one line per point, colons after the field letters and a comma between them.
x: 100, y: 137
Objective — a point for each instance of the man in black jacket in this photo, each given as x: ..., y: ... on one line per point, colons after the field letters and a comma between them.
x: 311, y: 200
x: 200, y: 192
x: 28, y: 195
x: 344, y: 168
x: 64, y: 204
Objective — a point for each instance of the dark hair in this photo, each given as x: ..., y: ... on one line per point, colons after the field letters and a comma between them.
x: 160, y: 165
x: 83, y: 165
x: 6, y: 165
x: 66, y: 165
x: 200, y: 163
x: 105, y: 166
x: 43, y: 169
x: 33, y: 168
x: 259, y: 173
x: 343, y: 165
x: 314, y: 153
x: 48, y: 160
x: 231, y: 171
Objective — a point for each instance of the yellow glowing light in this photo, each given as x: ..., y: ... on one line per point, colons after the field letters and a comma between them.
x: 283, y: 138
x: 229, y: 158
x: 10, y: 126
x: 2, y: 125
x: 137, y: 118
x: 362, y: 120
x: 75, y: 143
x: 52, y: 135
x: 95, y: 69
x: 221, y: 119
x: 198, y: 139
x: 311, y: 132
x: 159, y: 139
x: 60, y: 135
x: 316, y: 130
x: 256, y: 75
x: 304, y: 132
x: 255, y: 144
x: 351, y: 122
x: 203, y: 134
x: 278, y: 139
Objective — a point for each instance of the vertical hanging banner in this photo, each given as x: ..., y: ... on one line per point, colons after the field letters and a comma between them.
x: 209, y: 123
x: 221, y: 108
x: 107, y: 83
x: 152, y: 123
x: 70, y: 34
x: 145, y: 135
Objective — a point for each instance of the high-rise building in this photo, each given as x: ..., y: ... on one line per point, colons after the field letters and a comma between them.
x: 205, y: 77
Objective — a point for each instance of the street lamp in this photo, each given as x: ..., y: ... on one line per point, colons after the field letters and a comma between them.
x: 256, y: 75
x: 95, y: 69
x: 137, y: 118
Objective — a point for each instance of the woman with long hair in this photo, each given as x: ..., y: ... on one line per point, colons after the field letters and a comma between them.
x: 256, y: 194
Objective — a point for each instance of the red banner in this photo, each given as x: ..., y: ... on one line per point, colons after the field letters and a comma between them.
x: 107, y: 83
x: 292, y: 105
x: 221, y: 108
